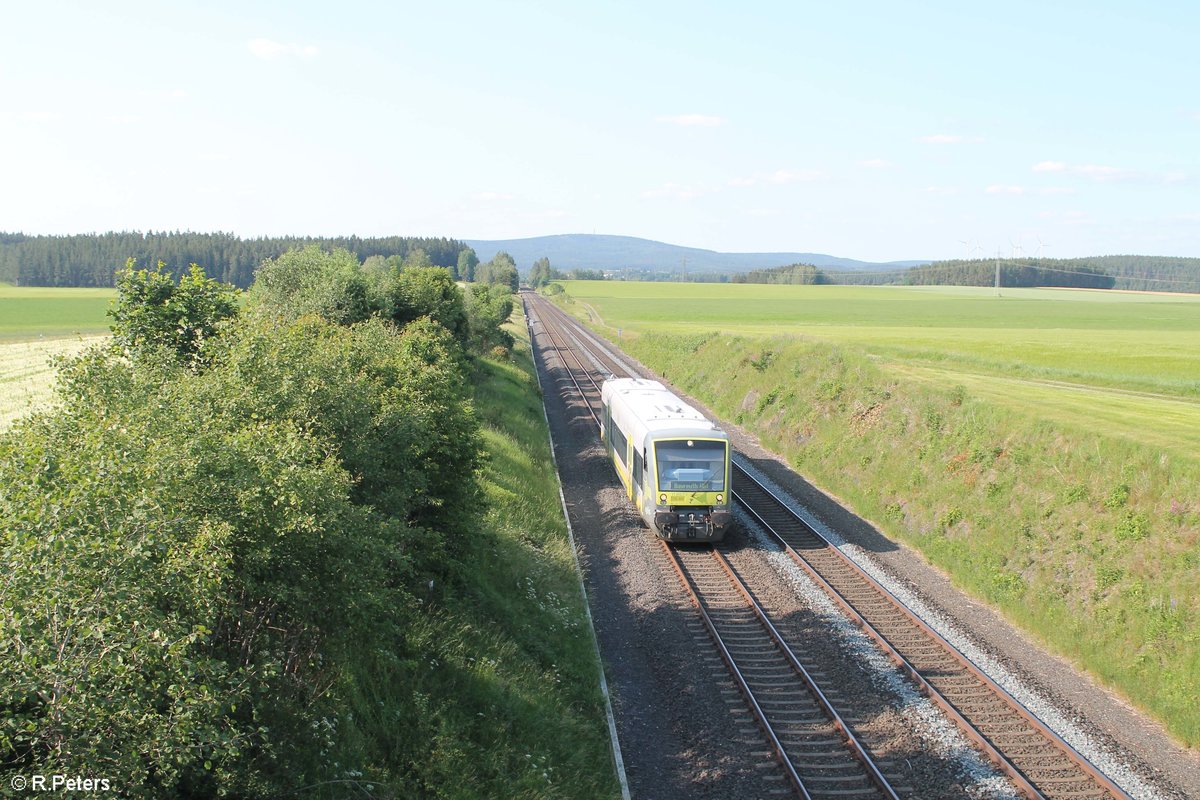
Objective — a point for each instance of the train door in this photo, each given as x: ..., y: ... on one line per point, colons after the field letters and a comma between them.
x: 637, y: 479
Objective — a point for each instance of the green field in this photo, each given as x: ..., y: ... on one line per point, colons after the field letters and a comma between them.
x: 1130, y: 361
x: 37, y: 324
x: 1042, y: 447
x: 29, y: 313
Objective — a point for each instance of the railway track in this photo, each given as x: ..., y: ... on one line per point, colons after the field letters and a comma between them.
x: 818, y: 751
x: 819, y: 755
x: 1038, y: 762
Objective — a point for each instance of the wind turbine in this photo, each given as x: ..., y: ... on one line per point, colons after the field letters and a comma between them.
x: 966, y: 243
x: 1041, y: 245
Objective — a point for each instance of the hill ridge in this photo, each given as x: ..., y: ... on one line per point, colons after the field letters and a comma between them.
x: 607, y: 251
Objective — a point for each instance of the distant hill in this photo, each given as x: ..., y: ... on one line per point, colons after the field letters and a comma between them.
x: 599, y: 251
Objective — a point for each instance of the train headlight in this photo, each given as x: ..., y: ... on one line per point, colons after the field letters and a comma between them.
x: 720, y: 499
x: 662, y: 498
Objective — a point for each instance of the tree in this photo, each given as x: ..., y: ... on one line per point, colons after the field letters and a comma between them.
x: 417, y: 259
x: 488, y: 308
x: 312, y: 281
x: 500, y: 271
x: 542, y: 273
x: 467, y: 261
x: 430, y: 292
x: 152, y: 311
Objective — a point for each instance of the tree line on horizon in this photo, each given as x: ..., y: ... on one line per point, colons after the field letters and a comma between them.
x: 93, y: 260
x: 1139, y: 273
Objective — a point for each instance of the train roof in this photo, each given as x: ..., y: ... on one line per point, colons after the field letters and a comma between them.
x: 644, y: 407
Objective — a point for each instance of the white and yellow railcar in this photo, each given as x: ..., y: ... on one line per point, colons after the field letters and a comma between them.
x: 672, y: 461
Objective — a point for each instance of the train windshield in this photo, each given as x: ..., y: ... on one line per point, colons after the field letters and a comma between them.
x: 687, y: 465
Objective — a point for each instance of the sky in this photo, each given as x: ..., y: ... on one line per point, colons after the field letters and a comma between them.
x: 872, y: 130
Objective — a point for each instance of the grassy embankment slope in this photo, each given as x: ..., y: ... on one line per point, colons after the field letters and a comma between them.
x: 512, y: 685
x: 1042, y: 447
x: 508, y: 692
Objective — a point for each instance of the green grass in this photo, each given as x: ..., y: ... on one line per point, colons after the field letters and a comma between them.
x: 1071, y: 505
x: 1032, y: 349
x: 507, y: 693
x: 28, y: 313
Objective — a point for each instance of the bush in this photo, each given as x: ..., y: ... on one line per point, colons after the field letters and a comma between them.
x: 199, y: 565
x: 181, y: 587
x: 311, y: 281
x: 488, y: 308
x: 151, y: 311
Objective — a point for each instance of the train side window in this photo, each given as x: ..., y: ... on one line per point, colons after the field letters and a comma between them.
x: 637, y: 468
x: 619, y: 444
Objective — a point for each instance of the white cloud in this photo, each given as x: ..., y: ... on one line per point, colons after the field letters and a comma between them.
x: 875, y: 163
x: 270, y: 50
x: 1049, y: 166
x: 997, y: 189
x: 693, y: 120
x: 941, y: 190
x: 492, y: 197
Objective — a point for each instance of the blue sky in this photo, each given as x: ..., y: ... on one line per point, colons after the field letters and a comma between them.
x: 872, y: 130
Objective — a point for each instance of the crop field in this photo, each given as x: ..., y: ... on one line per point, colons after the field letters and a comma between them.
x: 37, y: 324
x: 27, y: 375
x: 30, y: 313
x: 1130, y: 361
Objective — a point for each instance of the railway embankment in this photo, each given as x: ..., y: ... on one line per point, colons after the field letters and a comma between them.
x: 1088, y: 541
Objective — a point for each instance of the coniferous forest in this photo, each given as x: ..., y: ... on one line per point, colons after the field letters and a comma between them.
x: 93, y: 259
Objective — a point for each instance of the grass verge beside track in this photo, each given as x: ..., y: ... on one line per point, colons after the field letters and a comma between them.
x: 1089, y: 540
x: 509, y: 685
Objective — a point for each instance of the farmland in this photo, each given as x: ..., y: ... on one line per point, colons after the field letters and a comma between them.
x: 29, y: 313
x: 1130, y: 360
x: 1039, y: 447
x: 27, y: 374
x: 37, y: 324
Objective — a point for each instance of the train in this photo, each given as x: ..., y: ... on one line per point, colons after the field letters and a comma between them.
x: 671, y: 459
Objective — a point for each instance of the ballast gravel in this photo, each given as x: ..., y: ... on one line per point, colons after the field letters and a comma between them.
x: 979, y: 778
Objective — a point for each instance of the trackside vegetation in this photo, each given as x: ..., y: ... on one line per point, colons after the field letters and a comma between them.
x: 1088, y: 540
x: 316, y: 551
